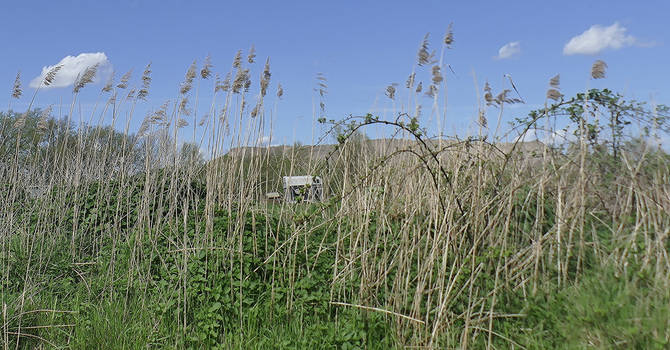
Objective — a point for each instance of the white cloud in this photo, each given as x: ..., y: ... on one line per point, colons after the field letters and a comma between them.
x: 71, y: 67
x: 598, y: 38
x: 509, y: 50
x: 264, y: 140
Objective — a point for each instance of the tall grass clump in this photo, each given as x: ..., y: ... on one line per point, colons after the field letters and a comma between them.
x: 553, y: 233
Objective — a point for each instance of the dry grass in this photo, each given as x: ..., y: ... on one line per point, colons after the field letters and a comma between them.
x: 433, y: 232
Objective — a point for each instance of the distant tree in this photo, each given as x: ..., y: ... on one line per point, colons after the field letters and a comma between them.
x: 190, y: 155
x: 604, y: 116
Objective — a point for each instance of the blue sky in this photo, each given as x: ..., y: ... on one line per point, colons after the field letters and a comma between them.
x: 360, y: 46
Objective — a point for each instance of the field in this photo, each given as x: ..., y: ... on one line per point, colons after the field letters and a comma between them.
x: 115, y: 238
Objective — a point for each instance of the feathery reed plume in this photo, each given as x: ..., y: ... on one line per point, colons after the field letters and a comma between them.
x: 390, y: 91
x: 437, y: 76
x: 449, y: 35
x: 598, y: 69
x: 240, y: 80
x: 217, y: 82
x: 203, y: 119
x: 206, y: 70
x: 146, y: 122
x: 146, y: 82
x: 21, y: 121
x: 123, y: 83
x: 503, y: 98
x: 554, y: 94
x: 410, y: 81
x: 255, y: 110
x: 85, y: 78
x: 237, y: 61
x: 109, y: 84
x: 251, y: 58
x: 432, y: 90
x: 555, y: 81
x: 181, y: 123
x: 280, y: 91
x: 51, y: 75
x: 482, y: 119
x: 424, y: 56
x: 112, y: 98
x: 419, y: 87
x: 322, y: 84
x: 131, y: 94
x: 42, y: 124
x: 159, y: 116
x: 488, y: 94
x: 188, y: 80
x: 417, y: 111
x: 247, y: 83
x: 183, y: 107
x: 322, y: 106
x: 222, y: 85
x: 265, y: 77
x: 16, y: 90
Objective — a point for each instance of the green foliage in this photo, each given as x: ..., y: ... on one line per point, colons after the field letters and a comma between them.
x: 609, y: 309
x: 602, y: 116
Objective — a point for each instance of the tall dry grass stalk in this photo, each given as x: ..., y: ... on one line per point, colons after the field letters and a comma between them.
x: 432, y: 232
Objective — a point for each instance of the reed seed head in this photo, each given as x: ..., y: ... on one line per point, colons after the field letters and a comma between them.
x: 146, y: 82
x: 123, y: 83
x: 237, y: 61
x: 555, y: 81
x: 222, y: 85
x: 598, y: 69
x: 322, y: 84
x: 109, y: 84
x: 188, y: 79
x: 437, y: 76
x: 203, y: 120
x: 482, y: 119
x: 51, y: 75
x: 251, y: 58
x: 410, y: 81
x: 424, y: 56
x: 280, y: 91
x: 43, y: 122
x: 183, y: 106
x: 206, y: 70
x: 131, y: 94
x: 255, y: 110
x: 390, y: 91
x: 449, y: 35
x: 554, y: 94
x: 85, y: 78
x: 16, y: 90
x: 432, y: 91
x: 21, y: 121
x: 488, y: 94
x: 265, y: 77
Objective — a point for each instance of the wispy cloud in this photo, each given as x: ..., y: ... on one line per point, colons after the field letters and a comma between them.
x: 509, y: 50
x: 598, y: 38
x: 72, y: 66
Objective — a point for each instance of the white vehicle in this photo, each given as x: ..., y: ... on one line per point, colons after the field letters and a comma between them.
x: 303, y: 188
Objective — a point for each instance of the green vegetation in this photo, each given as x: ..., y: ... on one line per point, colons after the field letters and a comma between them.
x: 113, y: 239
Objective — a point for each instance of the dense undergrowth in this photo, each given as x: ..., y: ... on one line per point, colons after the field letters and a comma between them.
x: 119, y: 240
